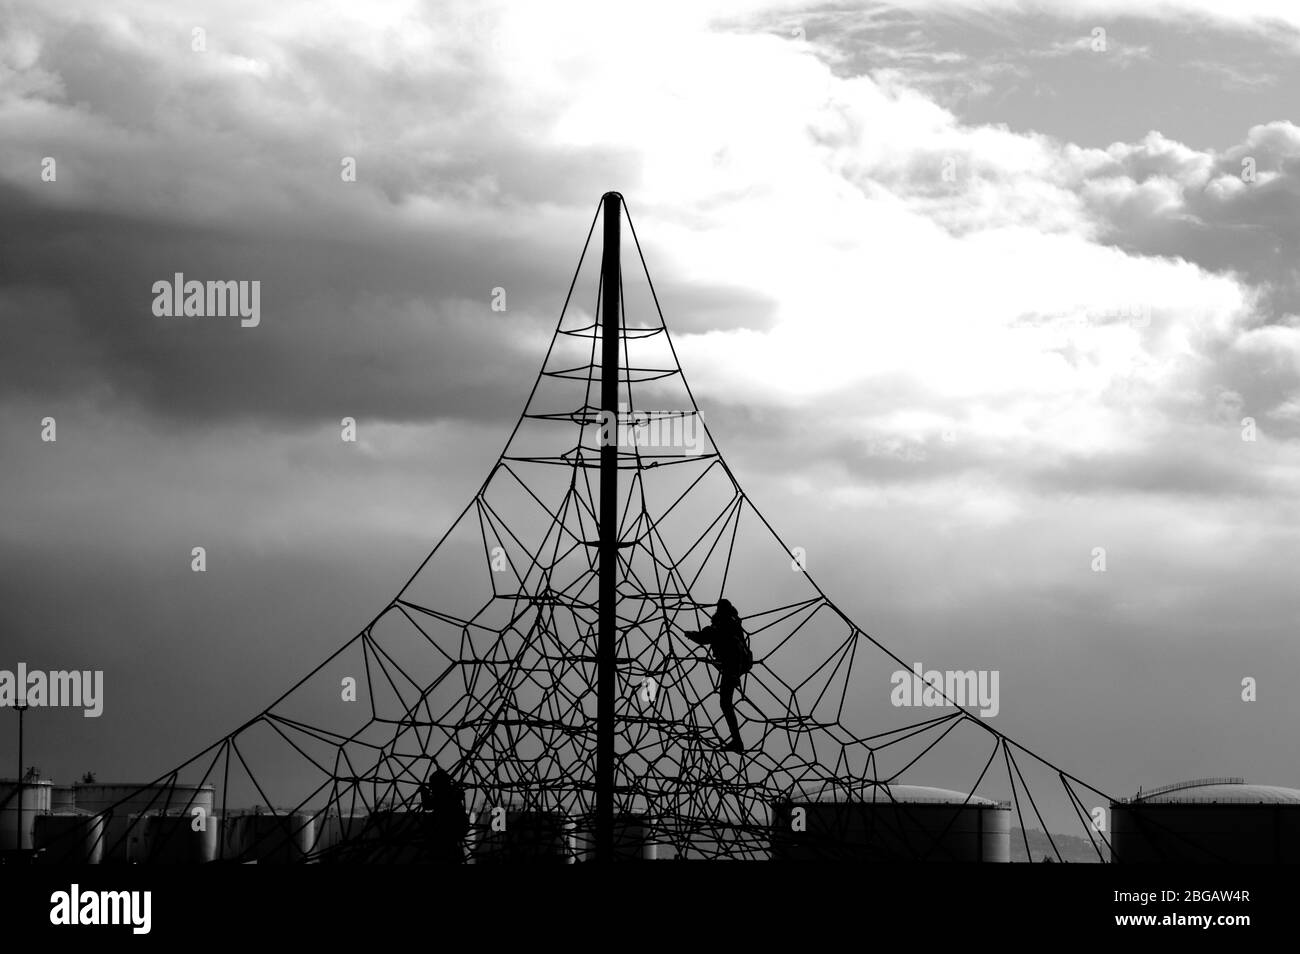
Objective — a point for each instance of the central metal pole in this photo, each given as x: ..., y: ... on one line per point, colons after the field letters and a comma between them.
x: 18, y: 845
x: 606, y: 646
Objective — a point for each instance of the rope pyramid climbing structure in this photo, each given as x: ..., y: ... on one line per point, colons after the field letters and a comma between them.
x: 539, y: 655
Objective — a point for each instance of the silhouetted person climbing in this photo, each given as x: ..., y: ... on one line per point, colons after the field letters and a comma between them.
x: 445, y: 800
x: 729, y: 647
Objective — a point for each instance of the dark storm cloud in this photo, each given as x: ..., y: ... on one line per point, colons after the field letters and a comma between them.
x: 344, y: 330
x: 403, y: 331
x: 376, y: 295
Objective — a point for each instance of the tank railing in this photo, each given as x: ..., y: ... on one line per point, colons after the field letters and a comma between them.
x: 1190, y: 783
x: 1259, y: 800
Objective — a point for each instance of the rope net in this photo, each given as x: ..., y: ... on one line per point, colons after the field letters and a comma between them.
x: 484, y: 664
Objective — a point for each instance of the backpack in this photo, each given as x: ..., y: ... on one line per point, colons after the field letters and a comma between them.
x: 746, y: 654
x: 739, y: 648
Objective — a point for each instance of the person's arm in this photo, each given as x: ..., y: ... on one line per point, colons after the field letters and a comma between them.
x: 703, y: 637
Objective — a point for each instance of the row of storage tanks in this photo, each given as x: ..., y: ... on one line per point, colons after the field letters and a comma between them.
x: 1203, y: 821
x: 1209, y: 820
x: 97, y: 823
x: 101, y: 823
x: 178, y: 824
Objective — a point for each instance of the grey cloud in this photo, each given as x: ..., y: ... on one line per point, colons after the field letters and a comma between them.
x: 1250, y: 230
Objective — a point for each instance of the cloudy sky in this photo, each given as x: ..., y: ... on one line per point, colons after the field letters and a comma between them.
x: 965, y: 291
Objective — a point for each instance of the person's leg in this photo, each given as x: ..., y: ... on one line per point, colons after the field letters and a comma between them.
x: 726, y: 695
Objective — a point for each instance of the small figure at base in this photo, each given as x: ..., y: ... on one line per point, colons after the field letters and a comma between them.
x: 445, y: 800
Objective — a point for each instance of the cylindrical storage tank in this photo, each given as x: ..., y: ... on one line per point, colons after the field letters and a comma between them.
x: 16, y: 820
x: 63, y: 799
x: 1208, y: 821
x: 261, y: 837
x: 890, y: 824
x: 634, y: 840
x: 69, y: 838
x: 134, y: 802
x: 172, y: 839
x: 514, y: 836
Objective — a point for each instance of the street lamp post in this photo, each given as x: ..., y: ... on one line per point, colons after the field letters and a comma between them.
x: 18, y: 843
